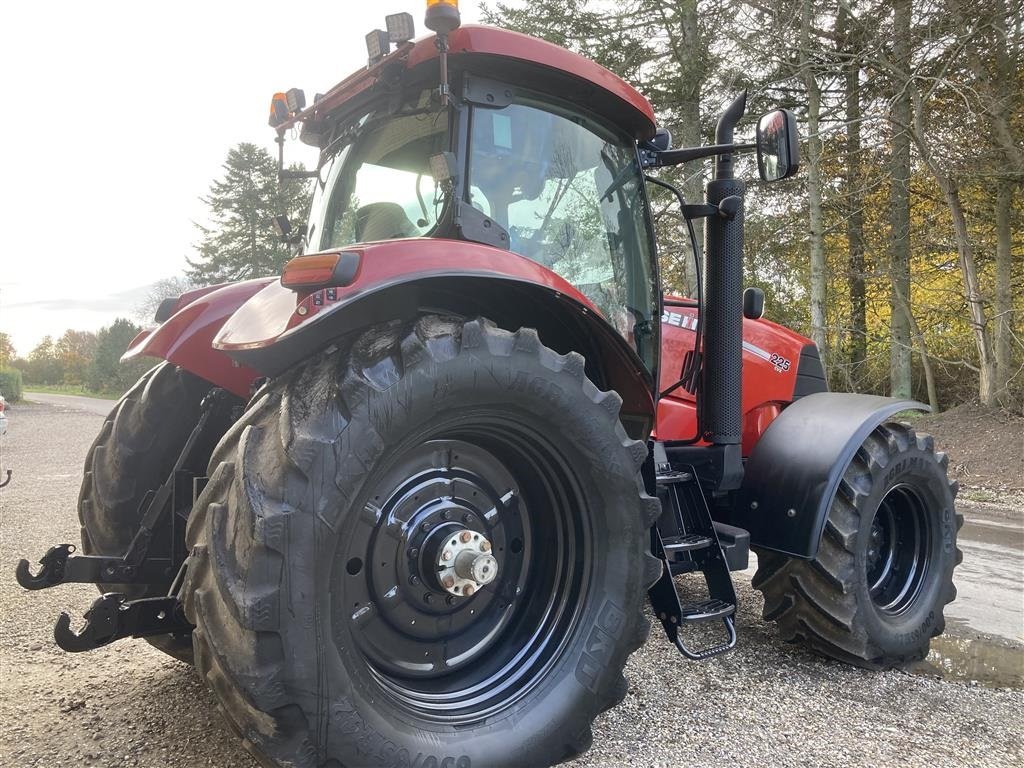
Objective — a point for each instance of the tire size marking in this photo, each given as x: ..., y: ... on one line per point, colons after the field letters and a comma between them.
x: 599, y: 646
x: 381, y: 751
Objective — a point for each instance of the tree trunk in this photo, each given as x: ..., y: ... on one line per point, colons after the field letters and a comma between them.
x: 1004, y: 294
x: 922, y: 350
x: 814, y: 147
x: 899, y: 250
x: 854, y: 196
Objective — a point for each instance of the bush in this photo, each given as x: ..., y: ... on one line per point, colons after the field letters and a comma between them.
x: 10, y: 384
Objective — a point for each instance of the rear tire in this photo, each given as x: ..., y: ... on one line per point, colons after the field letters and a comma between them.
x: 874, y: 594
x: 133, y: 454
x: 321, y: 623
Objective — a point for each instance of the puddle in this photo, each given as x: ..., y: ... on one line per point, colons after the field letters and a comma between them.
x: 986, y: 661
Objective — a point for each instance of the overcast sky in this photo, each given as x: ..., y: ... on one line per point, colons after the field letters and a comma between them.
x: 117, y: 116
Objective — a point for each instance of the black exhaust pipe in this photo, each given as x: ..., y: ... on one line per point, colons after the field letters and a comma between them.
x: 721, y: 406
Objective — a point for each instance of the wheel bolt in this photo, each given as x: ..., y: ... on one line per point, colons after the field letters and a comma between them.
x: 485, y: 546
x: 466, y: 518
x: 446, y: 555
x: 445, y: 514
x: 465, y: 536
x: 450, y: 599
x: 425, y: 527
x: 468, y: 591
x: 414, y: 580
x: 427, y: 597
x: 413, y: 552
x: 448, y: 581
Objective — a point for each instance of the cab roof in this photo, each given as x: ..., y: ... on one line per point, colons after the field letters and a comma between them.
x: 524, y: 60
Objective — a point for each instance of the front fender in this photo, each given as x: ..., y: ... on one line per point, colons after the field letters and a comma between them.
x: 794, y: 471
x: 186, y: 337
x: 396, y: 280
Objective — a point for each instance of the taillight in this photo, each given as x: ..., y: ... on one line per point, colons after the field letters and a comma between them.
x: 319, y: 270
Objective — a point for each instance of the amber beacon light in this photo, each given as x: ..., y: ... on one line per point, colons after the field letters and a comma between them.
x: 443, y: 16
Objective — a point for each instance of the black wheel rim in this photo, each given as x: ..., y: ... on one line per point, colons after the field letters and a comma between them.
x: 457, y: 659
x: 899, y: 550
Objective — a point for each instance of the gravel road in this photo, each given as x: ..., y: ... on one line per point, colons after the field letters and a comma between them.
x: 763, y: 704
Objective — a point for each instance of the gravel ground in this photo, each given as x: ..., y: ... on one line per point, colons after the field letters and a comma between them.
x: 763, y: 704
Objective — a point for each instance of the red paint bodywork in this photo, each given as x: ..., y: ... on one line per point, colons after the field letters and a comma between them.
x: 273, y: 313
x: 767, y: 386
x: 186, y: 339
x: 492, y: 41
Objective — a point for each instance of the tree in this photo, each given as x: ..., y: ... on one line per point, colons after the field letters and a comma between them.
x: 7, y: 353
x: 73, y: 353
x: 106, y: 371
x: 241, y: 242
x: 42, y: 363
x: 165, y: 288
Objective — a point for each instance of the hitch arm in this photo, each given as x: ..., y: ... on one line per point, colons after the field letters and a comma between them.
x: 58, y: 567
x: 113, y: 617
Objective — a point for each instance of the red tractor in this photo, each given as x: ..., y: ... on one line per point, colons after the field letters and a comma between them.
x: 402, y: 505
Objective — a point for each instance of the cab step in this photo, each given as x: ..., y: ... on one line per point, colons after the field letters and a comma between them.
x: 706, y: 610
x: 686, y: 539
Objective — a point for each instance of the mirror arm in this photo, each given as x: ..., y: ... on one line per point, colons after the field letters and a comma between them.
x: 677, y: 156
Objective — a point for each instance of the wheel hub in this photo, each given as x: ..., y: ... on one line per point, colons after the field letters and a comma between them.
x: 465, y: 563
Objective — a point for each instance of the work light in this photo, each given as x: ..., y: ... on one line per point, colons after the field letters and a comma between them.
x: 295, y: 99
x: 401, y: 27
x: 378, y: 45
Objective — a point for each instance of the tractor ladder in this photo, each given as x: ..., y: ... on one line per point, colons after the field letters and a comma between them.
x: 687, y: 540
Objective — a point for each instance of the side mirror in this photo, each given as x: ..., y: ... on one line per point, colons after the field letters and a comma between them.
x: 778, y: 150
x: 753, y: 303
x: 662, y: 140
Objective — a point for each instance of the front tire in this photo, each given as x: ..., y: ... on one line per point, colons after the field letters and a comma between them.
x: 875, y: 592
x: 324, y: 621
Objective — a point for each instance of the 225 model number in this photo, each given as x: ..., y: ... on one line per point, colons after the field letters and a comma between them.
x: 780, y: 363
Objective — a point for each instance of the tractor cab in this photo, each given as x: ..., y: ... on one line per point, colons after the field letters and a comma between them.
x: 509, y: 166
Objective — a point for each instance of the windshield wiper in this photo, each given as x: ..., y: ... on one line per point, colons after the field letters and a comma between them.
x: 630, y: 170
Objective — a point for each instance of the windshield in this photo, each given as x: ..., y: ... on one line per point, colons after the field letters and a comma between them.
x: 375, y: 181
x: 570, y: 195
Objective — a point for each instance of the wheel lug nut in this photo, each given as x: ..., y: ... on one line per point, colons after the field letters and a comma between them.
x: 414, y: 580
x: 445, y: 514
x: 485, y: 546
x: 465, y: 536
x: 450, y: 599
x: 413, y: 552
x: 425, y: 527
x: 427, y: 597
x: 469, y: 590
x: 448, y: 581
x: 446, y: 555
x: 466, y: 518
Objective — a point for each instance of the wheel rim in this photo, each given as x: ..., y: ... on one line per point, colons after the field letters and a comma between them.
x: 899, y: 550
x: 444, y: 656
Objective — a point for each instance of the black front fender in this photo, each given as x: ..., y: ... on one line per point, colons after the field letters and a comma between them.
x: 793, y: 472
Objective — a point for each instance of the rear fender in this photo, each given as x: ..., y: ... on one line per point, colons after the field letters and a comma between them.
x: 186, y: 337
x: 794, y: 471
x: 396, y: 280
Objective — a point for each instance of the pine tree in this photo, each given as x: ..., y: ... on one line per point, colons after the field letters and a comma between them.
x: 241, y: 242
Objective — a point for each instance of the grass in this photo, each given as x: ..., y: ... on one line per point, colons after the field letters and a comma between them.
x: 67, y: 389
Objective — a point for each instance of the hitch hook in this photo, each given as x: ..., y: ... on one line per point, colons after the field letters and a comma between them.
x: 101, y: 625
x: 51, y: 573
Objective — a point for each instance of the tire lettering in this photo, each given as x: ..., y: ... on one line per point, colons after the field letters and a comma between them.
x: 599, y: 646
x: 381, y: 751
